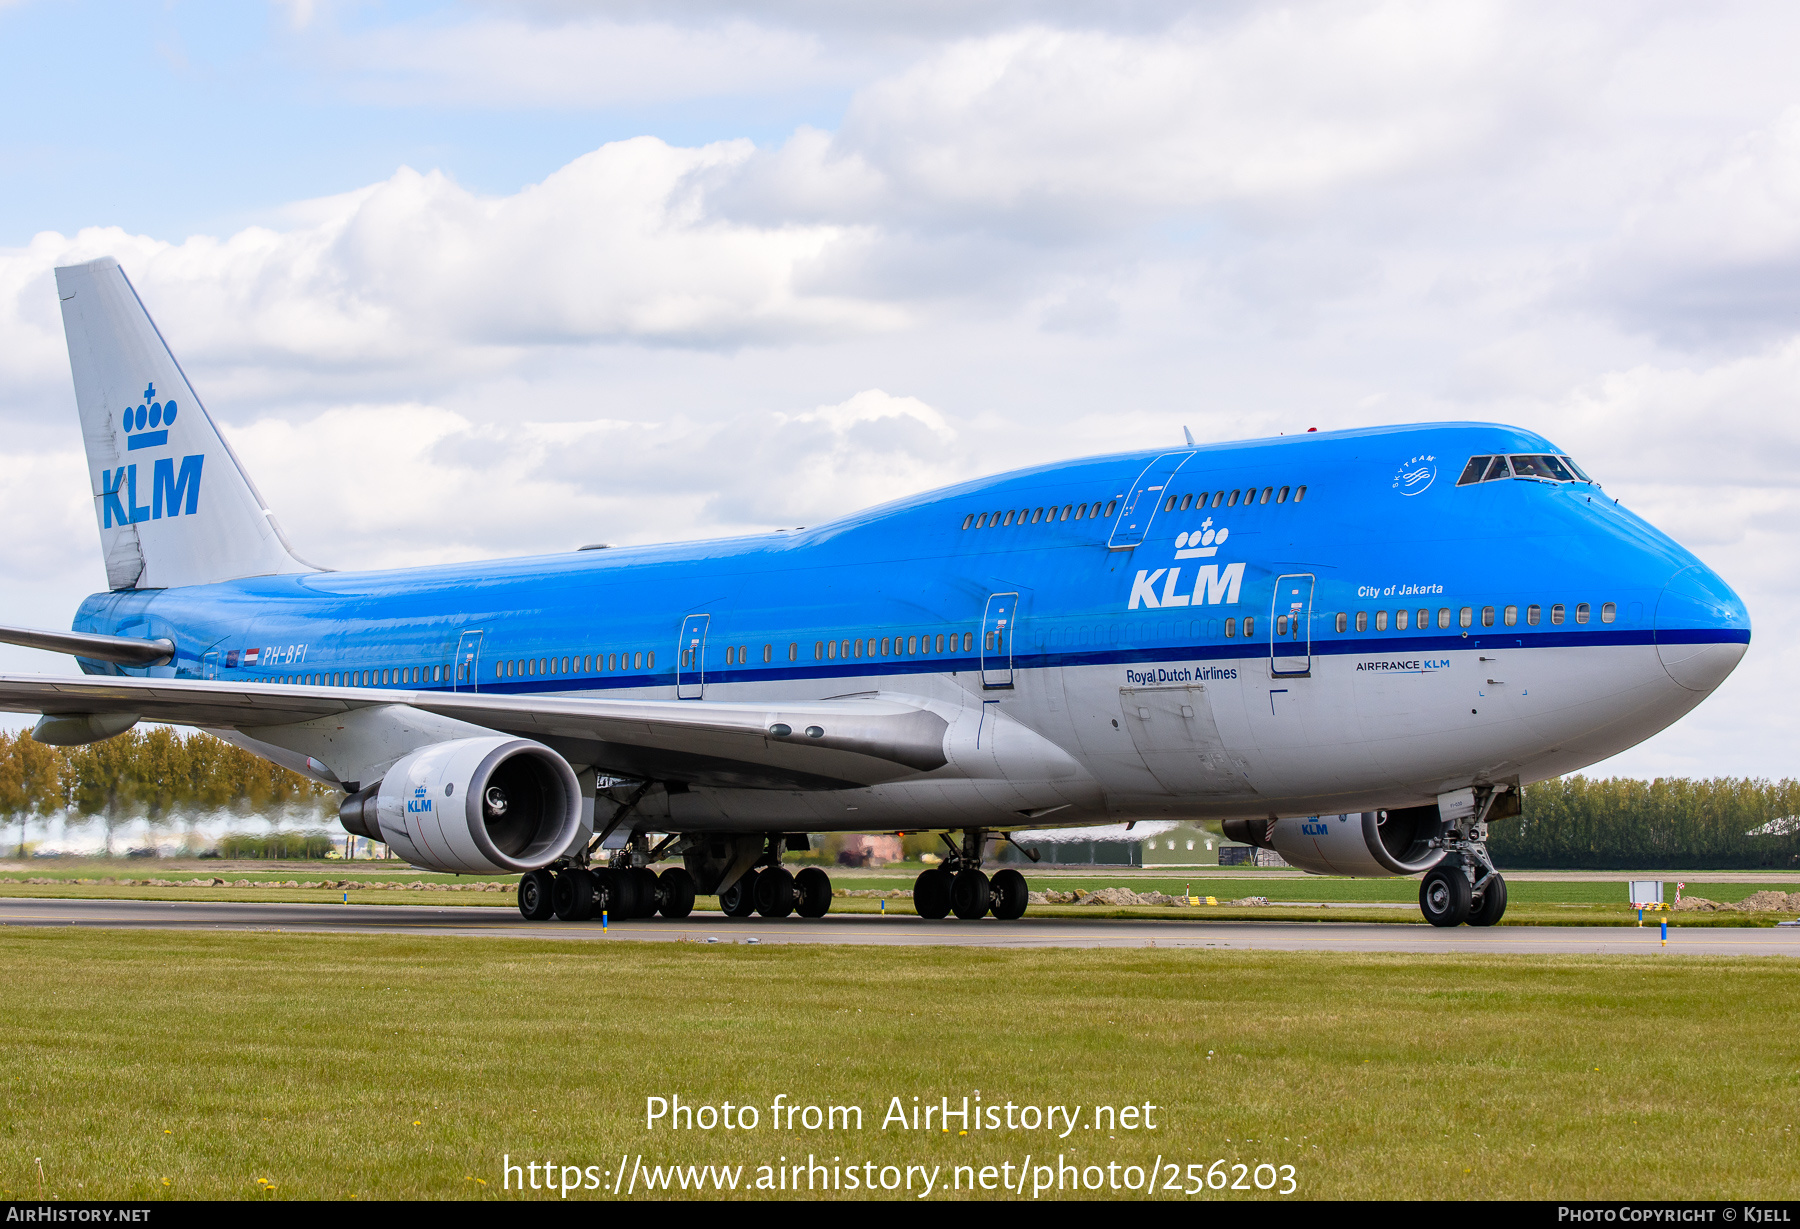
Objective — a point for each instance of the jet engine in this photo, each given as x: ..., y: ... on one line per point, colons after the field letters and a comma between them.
x: 479, y: 806
x: 1368, y: 844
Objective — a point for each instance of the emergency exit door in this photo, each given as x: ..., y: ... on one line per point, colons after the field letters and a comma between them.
x: 1290, y: 627
x: 997, y: 641
x: 466, y: 669
x: 690, y: 658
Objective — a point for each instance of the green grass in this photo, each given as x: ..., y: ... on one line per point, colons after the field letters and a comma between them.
x: 400, y: 1067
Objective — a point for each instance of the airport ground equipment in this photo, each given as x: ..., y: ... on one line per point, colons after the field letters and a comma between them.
x: 1354, y: 647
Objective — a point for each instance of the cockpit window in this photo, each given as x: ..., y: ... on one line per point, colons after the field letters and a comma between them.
x: 1549, y: 468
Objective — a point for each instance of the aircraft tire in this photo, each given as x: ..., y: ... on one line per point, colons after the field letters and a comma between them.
x: 1444, y: 896
x: 931, y: 894
x: 813, y: 887
x: 1492, y: 906
x: 534, y: 896
x: 775, y: 892
x: 649, y: 891
x: 1011, y: 894
x: 627, y: 893
x: 677, y: 892
x: 739, y: 900
x: 971, y: 895
x: 572, y: 895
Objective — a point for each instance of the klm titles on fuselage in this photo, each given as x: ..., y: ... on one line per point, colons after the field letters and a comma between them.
x: 172, y: 492
x: 1212, y: 585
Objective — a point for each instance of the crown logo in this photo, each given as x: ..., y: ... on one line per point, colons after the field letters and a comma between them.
x: 1202, y: 543
x: 142, y: 423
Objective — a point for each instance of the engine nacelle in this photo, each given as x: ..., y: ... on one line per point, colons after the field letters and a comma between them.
x: 1367, y: 844
x: 478, y: 806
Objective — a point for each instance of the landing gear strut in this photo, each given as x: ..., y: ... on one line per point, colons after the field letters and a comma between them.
x: 575, y: 892
x: 1464, y: 886
x: 958, y: 885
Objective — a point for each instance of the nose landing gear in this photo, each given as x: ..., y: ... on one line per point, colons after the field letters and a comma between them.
x: 1464, y: 886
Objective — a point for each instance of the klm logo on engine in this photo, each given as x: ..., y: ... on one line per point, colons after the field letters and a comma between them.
x: 1213, y: 584
x: 418, y: 804
x: 173, y: 492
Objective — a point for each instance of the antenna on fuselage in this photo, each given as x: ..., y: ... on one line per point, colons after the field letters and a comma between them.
x: 1190, y: 437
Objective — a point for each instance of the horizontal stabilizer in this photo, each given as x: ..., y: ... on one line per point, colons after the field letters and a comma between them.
x: 124, y: 650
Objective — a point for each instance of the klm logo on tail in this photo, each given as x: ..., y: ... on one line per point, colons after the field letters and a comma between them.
x: 173, y: 493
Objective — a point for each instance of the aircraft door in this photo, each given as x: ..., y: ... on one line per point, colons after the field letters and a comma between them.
x: 465, y: 671
x: 997, y: 641
x: 1139, y: 507
x: 1290, y: 627
x: 690, y: 658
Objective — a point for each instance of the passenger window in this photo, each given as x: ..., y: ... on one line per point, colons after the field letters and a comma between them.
x: 1281, y: 495
x: 1532, y: 613
x: 1473, y: 471
x: 1281, y: 625
x: 1037, y: 515
x: 1267, y: 491
x: 873, y: 645
x: 1231, y: 499
x: 886, y: 648
x: 1487, y: 616
x: 768, y: 653
x: 1170, y: 505
x: 912, y: 646
x: 1467, y: 618
x: 1080, y: 511
x: 1343, y: 621
x: 1362, y: 620
x: 1230, y: 629
x: 1497, y: 469
x: 1068, y: 510
x: 1381, y: 620
x: 1299, y: 493
x: 1443, y: 616
x: 1556, y: 614
x: 981, y: 520
x: 1581, y: 612
x: 650, y: 661
x: 968, y: 520
x: 818, y: 650
x: 940, y: 641
x: 793, y: 651
x: 1609, y: 611
x: 1111, y: 507
x: 968, y: 642
x: 1218, y: 498
x: 1249, y: 626
x: 1512, y: 616
x: 1187, y: 501
x: 1009, y: 517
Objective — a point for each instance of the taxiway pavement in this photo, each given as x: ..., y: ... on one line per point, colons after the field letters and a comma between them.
x: 904, y: 930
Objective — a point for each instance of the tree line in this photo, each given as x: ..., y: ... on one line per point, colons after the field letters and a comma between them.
x: 1617, y: 823
x: 156, y: 774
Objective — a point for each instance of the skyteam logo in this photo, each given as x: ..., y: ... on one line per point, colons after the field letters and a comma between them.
x: 173, y: 493
x: 1213, y: 584
x: 1416, y: 476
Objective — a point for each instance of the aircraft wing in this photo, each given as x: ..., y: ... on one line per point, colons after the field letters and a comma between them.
x: 818, y: 744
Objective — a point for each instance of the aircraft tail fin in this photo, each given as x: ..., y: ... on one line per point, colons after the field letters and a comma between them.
x: 173, y: 502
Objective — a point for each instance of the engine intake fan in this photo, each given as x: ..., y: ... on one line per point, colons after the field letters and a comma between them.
x: 478, y: 806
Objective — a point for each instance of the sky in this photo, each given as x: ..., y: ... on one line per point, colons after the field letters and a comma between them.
x: 472, y: 280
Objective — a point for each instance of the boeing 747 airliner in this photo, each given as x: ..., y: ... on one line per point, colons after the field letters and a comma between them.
x: 1352, y: 647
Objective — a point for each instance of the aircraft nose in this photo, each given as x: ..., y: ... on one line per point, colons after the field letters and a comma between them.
x: 1702, y: 628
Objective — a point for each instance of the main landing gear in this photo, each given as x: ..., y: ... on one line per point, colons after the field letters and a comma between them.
x: 957, y: 885
x: 626, y: 889
x: 1464, y: 886
x: 770, y: 889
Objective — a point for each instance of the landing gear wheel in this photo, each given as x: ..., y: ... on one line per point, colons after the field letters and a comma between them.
x: 1444, y: 896
x: 739, y: 900
x: 813, y: 887
x: 931, y: 894
x: 970, y: 894
x: 572, y: 895
x: 534, y: 896
x: 649, y: 891
x: 676, y: 891
x: 627, y: 894
x: 1011, y: 894
x: 775, y: 892
x: 1492, y: 904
